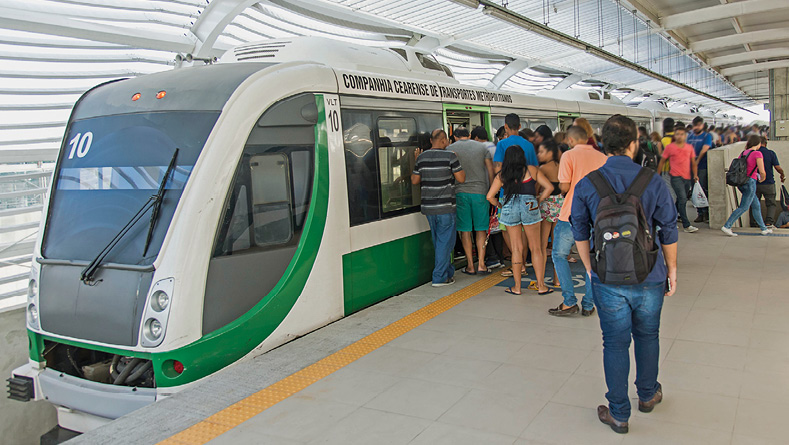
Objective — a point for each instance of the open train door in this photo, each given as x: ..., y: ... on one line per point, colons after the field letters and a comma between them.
x: 566, y: 120
x: 468, y: 116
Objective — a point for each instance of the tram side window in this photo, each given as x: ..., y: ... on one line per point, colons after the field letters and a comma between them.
x: 360, y: 166
x: 269, y: 199
x: 271, y: 205
x: 397, y: 140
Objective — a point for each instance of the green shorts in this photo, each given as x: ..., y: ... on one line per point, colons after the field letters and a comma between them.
x: 473, y: 212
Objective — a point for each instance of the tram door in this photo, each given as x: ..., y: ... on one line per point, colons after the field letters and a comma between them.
x: 566, y: 120
x: 465, y: 116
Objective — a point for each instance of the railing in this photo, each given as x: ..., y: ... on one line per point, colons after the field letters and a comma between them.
x: 23, y: 189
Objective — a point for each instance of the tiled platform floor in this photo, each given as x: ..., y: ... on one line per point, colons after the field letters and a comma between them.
x: 498, y: 369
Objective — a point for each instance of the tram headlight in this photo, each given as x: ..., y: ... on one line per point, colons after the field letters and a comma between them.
x: 32, y: 288
x: 153, y: 329
x: 32, y: 315
x: 160, y: 300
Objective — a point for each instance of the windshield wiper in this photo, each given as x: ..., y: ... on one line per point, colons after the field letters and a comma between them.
x: 157, y: 203
x: 153, y: 202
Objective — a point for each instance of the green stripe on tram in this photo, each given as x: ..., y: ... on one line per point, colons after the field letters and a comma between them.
x: 376, y: 273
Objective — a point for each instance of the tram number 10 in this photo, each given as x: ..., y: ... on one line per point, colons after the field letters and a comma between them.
x: 334, y: 120
x: 80, y: 144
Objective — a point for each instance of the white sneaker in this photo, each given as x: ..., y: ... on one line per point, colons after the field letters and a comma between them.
x: 447, y: 283
x: 770, y: 226
x: 691, y: 229
x: 728, y: 231
x: 767, y: 231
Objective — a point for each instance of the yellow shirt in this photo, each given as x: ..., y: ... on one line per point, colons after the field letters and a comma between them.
x: 667, y: 139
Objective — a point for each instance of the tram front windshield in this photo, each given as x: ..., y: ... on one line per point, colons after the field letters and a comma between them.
x: 109, y: 167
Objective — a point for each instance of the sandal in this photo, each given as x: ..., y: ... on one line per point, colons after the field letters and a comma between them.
x: 508, y: 273
x: 484, y: 272
x: 509, y: 291
x: 467, y: 272
x: 532, y: 286
x: 549, y: 291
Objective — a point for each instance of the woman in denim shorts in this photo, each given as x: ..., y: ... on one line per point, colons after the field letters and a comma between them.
x: 521, y: 208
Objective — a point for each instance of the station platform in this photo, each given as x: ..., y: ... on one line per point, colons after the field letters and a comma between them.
x: 469, y: 363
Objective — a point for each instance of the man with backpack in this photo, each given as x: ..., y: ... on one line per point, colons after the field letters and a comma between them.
x: 630, y: 274
x: 647, y: 155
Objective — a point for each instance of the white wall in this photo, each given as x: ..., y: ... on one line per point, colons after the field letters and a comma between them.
x: 721, y: 195
x: 20, y: 423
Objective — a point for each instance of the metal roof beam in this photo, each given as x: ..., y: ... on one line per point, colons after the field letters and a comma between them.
x: 720, y: 12
x: 750, y: 55
x: 755, y: 67
x: 765, y: 35
x: 508, y: 16
x: 212, y: 22
x: 37, y: 22
x: 509, y: 70
x: 568, y: 81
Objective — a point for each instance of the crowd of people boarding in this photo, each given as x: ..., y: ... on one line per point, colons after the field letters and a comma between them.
x: 616, y: 197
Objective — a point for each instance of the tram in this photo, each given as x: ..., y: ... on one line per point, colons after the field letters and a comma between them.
x: 205, y: 215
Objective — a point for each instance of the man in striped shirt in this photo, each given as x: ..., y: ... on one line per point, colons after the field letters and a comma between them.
x: 437, y: 170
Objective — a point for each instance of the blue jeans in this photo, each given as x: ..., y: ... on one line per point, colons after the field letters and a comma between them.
x: 562, y: 243
x: 442, y: 229
x: 748, y: 200
x: 625, y: 311
x: 681, y: 187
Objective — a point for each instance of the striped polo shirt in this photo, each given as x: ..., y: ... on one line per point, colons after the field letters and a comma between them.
x: 437, y: 168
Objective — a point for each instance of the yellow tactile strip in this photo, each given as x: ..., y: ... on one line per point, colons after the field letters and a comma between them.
x: 239, y: 412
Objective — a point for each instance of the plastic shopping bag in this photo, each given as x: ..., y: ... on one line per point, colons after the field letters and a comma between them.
x: 699, y: 199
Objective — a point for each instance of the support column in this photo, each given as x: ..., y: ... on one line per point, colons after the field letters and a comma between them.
x: 779, y: 103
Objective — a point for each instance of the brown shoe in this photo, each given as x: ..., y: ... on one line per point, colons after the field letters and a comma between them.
x: 588, y: 313
x: 605, y: 416
x: 559, y: 312
x: 647, y: 407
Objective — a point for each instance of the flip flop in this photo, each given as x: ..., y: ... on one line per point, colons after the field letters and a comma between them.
x: 467, y: 272
x: 509, y: 291
x: 483, y: 272
x: 532, y: 286
x: 572, y: 260
x: 507, y: 273
x: 549, y: 291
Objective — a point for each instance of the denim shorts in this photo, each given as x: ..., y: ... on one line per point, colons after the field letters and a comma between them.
x: 521, y: 210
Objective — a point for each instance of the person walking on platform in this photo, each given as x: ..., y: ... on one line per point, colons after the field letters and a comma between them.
x: 520, y: 212
x: 767, y: 187
x: 755, y: 170
x: 682, y: 160
x: 437, y: 170
x: 473, y: 210
x: 574, y: 165
x: 701, y: 141
x: 627, y: 309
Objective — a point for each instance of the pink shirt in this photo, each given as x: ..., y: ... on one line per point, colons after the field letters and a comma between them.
x: 575, y: 164
x: 753, y: 155
x: 679, y: 159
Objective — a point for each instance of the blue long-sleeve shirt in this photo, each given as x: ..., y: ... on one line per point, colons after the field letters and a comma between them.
x: 659, y: 208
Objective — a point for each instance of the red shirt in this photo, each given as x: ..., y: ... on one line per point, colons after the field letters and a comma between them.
x: 680, y: 159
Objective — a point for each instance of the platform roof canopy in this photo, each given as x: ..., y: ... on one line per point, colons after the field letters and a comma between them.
x: 705, y: 52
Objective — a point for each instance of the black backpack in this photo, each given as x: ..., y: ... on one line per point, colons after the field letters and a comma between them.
x: 738, y: 170
x: 650, y: 159
x: 624, y: 250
